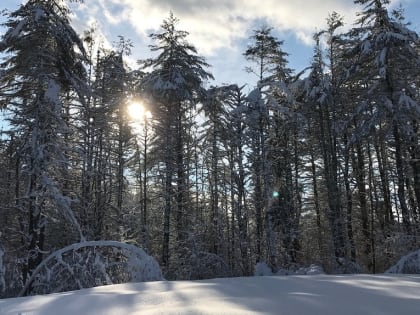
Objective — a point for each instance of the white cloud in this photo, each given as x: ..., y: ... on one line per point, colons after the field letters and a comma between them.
x: 219, y: 29
x: 215, y: 24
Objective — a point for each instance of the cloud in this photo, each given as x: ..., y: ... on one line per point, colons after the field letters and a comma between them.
x: 219, y: 29
x: 216, y: 24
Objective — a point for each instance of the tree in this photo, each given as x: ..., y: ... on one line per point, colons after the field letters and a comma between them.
x: 265, y: 50
x: 386, y: 59
x: 173, y: 88
x: 214, y: 139
x: 322, y: 97
x: 238, y: 178
x: 44, y: 62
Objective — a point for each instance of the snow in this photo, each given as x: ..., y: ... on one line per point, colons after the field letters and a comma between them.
x: 16, y: 31
x: 39, y: 13
x: 261, y: 269
x: 280, y: 295
x: 409, y: 263
x: 366, y: 47
x: 53, y: 94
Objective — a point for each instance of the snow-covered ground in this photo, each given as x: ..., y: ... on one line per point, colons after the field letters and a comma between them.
x: 296, y: 295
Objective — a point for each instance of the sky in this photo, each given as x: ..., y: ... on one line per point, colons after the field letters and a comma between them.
x: 220, y: 29
x: 272, y: 295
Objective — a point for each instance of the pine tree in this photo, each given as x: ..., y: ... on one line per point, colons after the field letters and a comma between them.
x: 264, y: 50
x: 386, y: 61
x: 173, y: 88
x: 322, y: 97
x: 43, y: 63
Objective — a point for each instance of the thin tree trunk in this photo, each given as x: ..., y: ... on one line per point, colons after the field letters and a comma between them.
x: 388, y: 217
x: 317, y: 206
x: 373, y: 207
x: 181, y: 181
x: 400, y: 180
x: 359, y: 167
x: 168, y: 203
x: 144, y: 199
x: 349, y: 202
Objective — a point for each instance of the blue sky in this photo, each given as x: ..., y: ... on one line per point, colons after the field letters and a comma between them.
x: 220, y: 28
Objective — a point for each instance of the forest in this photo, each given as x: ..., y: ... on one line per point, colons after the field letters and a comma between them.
x: 310, y: 166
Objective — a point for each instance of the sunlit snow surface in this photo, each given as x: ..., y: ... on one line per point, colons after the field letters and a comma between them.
x: 295, y: 295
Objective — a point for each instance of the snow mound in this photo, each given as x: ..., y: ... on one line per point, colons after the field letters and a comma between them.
x: 408, y: 264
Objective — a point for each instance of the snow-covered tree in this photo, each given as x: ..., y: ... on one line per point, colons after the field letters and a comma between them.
x: 43, y: 61
x: 238, y: 178
x: 173, y: 88
x: 387, y: 59
x: 214, y: 140
x: 266, y: 52
x: 322, y: 99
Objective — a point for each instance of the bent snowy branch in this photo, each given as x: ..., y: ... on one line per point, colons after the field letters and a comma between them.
x: 92, y: 263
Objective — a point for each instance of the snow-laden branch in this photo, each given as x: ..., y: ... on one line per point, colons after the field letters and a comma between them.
x: 92, y: 263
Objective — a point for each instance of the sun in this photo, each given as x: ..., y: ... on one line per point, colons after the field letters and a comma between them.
x: 136, y: 111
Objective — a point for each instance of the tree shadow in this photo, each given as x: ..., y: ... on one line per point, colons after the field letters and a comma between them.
x: 320, y: 294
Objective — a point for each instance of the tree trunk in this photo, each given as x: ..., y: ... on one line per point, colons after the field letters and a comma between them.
x: 168, y: 202
x: 400, y: 181
x: 387, y: 217
x: 349, y: 202
x: 317, y: 206
x: 359, y: 167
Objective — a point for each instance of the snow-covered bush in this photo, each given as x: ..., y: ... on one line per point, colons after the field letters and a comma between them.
x: 262, y: 269
x: 409, y: 264
x: 89, y: 264
x: 348, y: 267
x: 394, y: 247
x: 10, y: 276
x: 314, y: 270
x: 208, y: 265
x: 311, y: 270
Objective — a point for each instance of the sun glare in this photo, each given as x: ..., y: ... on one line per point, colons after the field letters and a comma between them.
x: 136, y: 111
x: 138, y: 116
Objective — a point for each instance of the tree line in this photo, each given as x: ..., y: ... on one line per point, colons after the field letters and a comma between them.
x: 318, y: 166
